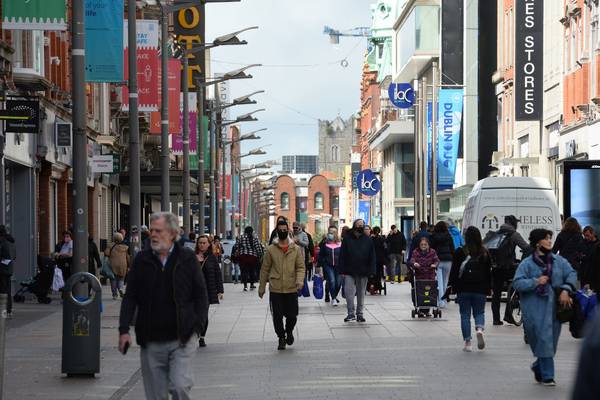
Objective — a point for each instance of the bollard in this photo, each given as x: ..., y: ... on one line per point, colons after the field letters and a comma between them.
x: 3, y: 301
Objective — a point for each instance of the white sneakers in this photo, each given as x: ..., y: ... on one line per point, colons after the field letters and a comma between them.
x: 468, y: 348
x: 480, y: 340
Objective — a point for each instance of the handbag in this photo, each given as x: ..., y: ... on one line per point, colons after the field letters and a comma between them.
x: 305, y: 291
x: 318, y: 287
x: 57, y: 281
x: 106, y: 270
x: 564, y: 313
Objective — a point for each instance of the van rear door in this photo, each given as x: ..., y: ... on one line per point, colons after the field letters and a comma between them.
x: 536, y: 208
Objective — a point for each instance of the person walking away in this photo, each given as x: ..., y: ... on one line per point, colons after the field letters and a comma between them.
x: 250, y: 254
x: 64, y: 254
x: 537, y: 279
x: 422, y: 233
x: 442, y: 243
x: 283, y: 270
x: 357, y: 263
x: 167, y: 292
x: 423, y: 262
x: 145, y: 237
x: 309, y: 252
x: 212, y: 276
x: 300, y: 238
x: 379, y: 245
x: 587, y: 382
x: 396, y: 246
x: 118, y: 254
x: 8, y: 255
x: 504, y: 261
x: 471, y: 280
x: 456, y: 235
x: 94, y: 261
x: 329, y: 261
x: 570, y: 244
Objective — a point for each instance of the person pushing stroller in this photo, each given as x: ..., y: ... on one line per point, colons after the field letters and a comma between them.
x: 423, y: 264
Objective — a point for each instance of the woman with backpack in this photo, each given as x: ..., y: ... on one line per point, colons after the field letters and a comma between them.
x: 543, y: 279
x: 471, y: 280
x: 443, y: 244
x: 212, y: 275
x: 118, y: 255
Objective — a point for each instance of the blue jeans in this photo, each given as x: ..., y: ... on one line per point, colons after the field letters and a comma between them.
x: 335, y: 282
x: 235, y: 271
x: 475, y: 303
x: 443, y: 273
x: 545, y: 367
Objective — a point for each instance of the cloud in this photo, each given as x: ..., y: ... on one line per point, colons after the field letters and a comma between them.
x: 291, y: 33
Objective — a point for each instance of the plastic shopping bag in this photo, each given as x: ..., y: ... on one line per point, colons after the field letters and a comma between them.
x: 106, y: 270
x: 58, y: 282
x: 318, y: 287
x: 305, y: 291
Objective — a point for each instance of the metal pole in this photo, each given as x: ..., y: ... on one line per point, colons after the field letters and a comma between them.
x: 134, y: 133
x: 3, y: 301
x: 2, y: 180
x: 434, y: 101
x: 80, y: 167
x: 213, y: 172
x: 201, y: 194
x: 186, y: 149
x: 165, y: 162
x: 417, y: 215
x: 223, y: 190
x: 424, y: 175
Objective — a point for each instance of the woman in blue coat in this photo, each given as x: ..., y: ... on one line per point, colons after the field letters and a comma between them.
x: 538, y: 280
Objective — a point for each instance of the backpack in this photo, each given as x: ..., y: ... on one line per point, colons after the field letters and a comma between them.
x: 500, y: 248
x: 471, y: 272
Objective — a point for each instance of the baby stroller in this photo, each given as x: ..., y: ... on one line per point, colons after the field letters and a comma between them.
x: 40, y: 284
x: 425, y: 297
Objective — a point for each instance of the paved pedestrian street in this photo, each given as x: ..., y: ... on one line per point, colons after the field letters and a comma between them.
x: 389, y: 357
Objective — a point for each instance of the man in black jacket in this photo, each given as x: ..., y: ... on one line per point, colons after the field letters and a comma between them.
x: 396, y: 246
x: 587, y: 383
x: 357, y: 263
x: 167, y: 287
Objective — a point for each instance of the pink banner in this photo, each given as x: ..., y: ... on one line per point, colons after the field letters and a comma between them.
x: 174, y: 73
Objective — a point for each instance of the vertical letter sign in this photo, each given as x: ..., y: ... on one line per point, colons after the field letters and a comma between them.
x: 189, y: 25
x: 529, y: 61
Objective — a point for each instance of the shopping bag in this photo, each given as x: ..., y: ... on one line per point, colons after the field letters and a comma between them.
x: 318, y: 287
x: 106, y: 270
x: 58, y: 282
x: 305, y: 291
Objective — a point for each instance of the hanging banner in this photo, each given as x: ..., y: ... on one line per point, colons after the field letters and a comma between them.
x: 43, y: 15
x: 192, y: 123
x: 206, y: 143
x: 104, y: 30
x: 189, y: 28
x: 529, y: 60
x: 429, y: 140
x: 147, y: 65
x: 174, y: 82
x: 449, y: 122
x: 364, y: 211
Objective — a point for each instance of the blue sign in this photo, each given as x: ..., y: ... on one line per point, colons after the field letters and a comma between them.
x: 449, y: 122
x: 104, y: 40
x: 364, y: 210
x: 401, y: 95
x: 368, y: 183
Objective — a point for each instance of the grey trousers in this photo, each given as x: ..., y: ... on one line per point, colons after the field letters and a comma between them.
x: 355, y: 286
x: 167, y: 369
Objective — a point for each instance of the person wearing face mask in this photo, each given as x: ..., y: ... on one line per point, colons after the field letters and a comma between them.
x: 539, y: 278
x: 357, y: 263
x: 283, y: 269
x: 423, y: 263
x: 329, y: 260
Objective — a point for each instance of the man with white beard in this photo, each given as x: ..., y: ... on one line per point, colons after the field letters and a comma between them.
x: 166, y: 286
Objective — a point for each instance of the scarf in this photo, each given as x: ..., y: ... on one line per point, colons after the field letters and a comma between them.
x: 545, y: 264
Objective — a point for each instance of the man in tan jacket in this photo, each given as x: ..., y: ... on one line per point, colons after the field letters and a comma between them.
x: 283, y: 268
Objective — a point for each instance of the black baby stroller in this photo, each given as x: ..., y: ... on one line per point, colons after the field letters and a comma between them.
x: 425, y: 297
x: 40, y: 284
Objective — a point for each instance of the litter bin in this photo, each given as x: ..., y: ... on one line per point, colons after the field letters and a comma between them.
x: 81, y: 327
x: 227, y: 269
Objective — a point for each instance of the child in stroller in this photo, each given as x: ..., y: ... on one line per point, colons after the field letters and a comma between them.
x: 40, y: 284
x: 423, y: 265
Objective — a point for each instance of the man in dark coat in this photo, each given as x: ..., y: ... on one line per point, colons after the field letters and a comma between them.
x: 167, y: 288
x: 396, y: 246
x: 587, y: 383
x: 357, y: 263
x: 93, y: 257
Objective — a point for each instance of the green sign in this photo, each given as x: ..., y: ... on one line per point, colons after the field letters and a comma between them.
x: 193, y: 162
x: 47, y: 15
x: 116, y: 164
x: 206, y: 144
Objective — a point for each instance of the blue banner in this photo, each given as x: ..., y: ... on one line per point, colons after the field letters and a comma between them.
x: 104, y: 40
x: 364, y: 210
x: 449, y: 123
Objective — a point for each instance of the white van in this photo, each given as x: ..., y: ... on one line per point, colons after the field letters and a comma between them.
x: 531, y: 200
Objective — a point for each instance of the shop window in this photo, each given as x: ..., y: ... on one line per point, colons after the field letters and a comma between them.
x: 285, y: 201
x: 318, y: 201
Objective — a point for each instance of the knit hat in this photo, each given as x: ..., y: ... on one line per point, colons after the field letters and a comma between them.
x: 537, y: 235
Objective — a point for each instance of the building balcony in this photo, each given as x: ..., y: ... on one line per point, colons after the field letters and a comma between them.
x: 402, y: 131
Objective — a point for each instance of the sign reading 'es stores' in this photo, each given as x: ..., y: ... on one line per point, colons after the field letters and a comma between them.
x: 529, y: 61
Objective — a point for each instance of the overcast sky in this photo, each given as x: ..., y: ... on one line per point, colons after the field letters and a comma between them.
x: 291, y: 33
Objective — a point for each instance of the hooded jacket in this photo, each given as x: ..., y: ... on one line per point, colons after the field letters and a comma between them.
x: 443, y: 245
x: 119, y: 258
x: 282, y: 270
x: 516, y: 240
x: 357, y: 257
